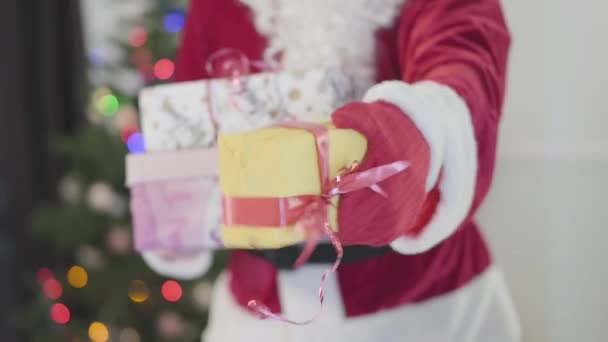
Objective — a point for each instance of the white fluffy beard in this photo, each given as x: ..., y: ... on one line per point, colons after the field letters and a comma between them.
x: 332, y: 34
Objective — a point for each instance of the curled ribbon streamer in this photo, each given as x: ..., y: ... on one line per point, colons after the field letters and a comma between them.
x: 263, y: 312
x: 233, y: 64
x: 308, y: 211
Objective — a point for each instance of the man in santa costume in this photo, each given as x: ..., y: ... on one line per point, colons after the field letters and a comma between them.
x: 431, y: 75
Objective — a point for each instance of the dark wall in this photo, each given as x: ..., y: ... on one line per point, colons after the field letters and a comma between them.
x: 41, y: 96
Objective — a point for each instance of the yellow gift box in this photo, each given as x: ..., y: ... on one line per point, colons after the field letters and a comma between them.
x: 279, y: 162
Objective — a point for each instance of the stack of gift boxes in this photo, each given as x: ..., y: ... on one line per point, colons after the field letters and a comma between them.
x: 177, y: 186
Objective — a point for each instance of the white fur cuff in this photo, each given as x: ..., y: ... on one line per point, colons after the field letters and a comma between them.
x: 183, y: 267
x: 445, y: 121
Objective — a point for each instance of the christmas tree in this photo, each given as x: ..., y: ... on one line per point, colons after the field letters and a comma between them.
x: 104, y: 291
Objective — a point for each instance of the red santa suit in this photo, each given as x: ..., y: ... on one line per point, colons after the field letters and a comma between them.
x: 431, y: 77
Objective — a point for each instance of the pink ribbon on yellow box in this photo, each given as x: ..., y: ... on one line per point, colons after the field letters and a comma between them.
x: 255, y: 218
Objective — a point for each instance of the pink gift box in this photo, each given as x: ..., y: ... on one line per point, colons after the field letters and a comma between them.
x: 175, y: 200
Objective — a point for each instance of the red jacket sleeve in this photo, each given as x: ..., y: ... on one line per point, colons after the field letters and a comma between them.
x: 452, y: 58
x: 463, y: 44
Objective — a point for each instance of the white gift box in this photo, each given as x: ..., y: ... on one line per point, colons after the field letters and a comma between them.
x: 180, y: 115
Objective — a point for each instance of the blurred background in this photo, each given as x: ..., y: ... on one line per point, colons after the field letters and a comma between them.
x: 546, y: 216
x: 70, y: 76
x: 71, y: 71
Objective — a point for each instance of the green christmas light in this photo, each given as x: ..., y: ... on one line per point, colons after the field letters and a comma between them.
x: 108, y: 105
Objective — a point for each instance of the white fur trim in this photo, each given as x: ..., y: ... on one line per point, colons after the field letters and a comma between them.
x: 445, y: 121
x: 480, y: 311
x: 332, y: 34
x: 183, y: 267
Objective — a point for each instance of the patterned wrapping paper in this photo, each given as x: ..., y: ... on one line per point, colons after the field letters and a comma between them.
x: 177, y: 116
x: 177, y: 211
x: 171, y: 199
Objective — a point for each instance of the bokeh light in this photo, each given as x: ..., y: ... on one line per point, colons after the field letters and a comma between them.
x: 138, y: 36
x: 95, y: 58
x: 126, y: 117
x: 171, y: 291
x: 118, y: 240
x: 141, y: 56
x: 164, y: 68
x: 138, y: 291
x: 60, y: 313
x: 98, y: 332
x: 129, y: 335
x: 101, y: 91
x: 127, y: 132
x: 90, y: 257
x: 52, y: 288
x: 108, y: 105
x: 135, y: 143
x: 174, y: 21
x: 146, y: 71
x: 201, y: 293
x: 171, y: 325
x: 43, y: 274
x: 77, y: 277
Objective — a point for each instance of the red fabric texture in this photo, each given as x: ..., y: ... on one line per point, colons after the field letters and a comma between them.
x: 426, y: 212
x: 212, y: 25
x: 463, y: 44
x: 257, y: 279
x: 394, y: 279
x: 460, y: 43
x: 365, y: 218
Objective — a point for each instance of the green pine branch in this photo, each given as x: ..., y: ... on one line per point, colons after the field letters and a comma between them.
x: 94, y: 154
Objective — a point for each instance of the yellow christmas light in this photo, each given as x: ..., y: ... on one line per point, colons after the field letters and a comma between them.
x: 138, y: 291
x: 98, y: 332
x: 99, y: 92
x: 77, y: 277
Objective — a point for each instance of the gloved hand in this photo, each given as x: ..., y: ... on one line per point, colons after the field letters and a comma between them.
x: 364, y: 217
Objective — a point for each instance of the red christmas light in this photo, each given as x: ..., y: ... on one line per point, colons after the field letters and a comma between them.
x: 171, y: 291
x: 43, y: 274
x: 52, y: 288
x: 126, y: 133
x: 138, y: 36
x: 60, y: 313
x: 164, y: 68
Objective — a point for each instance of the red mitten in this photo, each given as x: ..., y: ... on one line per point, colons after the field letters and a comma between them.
x: 364, y: 217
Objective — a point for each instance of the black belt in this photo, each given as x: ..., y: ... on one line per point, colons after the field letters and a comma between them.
x: 284, y: 258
